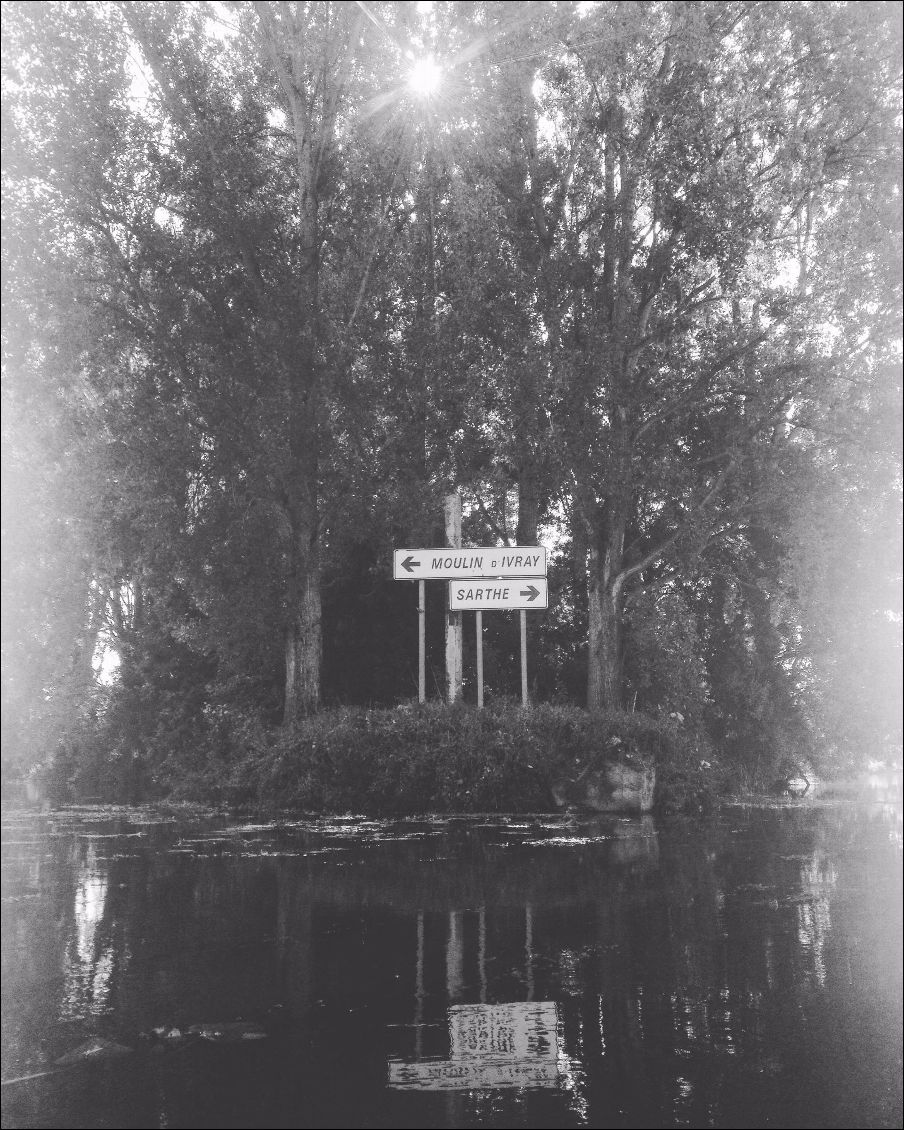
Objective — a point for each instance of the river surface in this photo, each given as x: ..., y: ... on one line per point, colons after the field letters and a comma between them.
x: 187, y: 970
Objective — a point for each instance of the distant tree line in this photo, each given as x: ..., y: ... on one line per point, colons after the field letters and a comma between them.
x: 629, y: 279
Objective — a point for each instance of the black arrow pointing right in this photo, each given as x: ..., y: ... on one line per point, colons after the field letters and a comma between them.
x: 530, y: 592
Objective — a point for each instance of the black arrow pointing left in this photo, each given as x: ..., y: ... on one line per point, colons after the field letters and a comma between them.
x: 410, y: 563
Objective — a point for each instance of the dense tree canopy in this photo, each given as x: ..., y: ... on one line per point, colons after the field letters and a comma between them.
x: 628, y: 278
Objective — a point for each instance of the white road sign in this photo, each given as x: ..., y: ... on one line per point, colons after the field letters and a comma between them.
x: 451, y: 564
x: 512, y: 592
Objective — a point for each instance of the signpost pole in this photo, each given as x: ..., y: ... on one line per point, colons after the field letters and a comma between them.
x: 523, y: 615
x: 479, y: 621
x: 453, y: 619
x: 422, y: 642
x: 480, y: 579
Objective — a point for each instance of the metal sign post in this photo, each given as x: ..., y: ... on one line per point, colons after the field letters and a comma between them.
x: 422, y: 642
x: 478, y: 617
x: 481, y: 579
x: 523, y: 657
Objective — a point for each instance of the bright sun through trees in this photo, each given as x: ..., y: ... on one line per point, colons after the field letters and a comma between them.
x: 425, y: 77
x: 283, y: 275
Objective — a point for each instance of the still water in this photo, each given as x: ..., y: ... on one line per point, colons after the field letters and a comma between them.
x: 191, y: 971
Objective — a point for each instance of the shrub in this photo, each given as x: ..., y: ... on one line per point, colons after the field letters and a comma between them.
x: 417, y: 758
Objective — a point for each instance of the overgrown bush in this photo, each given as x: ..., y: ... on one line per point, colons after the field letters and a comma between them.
x: 426, y: 758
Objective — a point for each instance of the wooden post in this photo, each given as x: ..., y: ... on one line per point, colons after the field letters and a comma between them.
x: 478, y: 615
x: 453, y: 619
x: 523, y: 658
x: 422, y: 641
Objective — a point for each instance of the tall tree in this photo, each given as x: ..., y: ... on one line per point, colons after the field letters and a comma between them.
x: 223, y: 198
x: 623, y: 271
x: 685, y: 155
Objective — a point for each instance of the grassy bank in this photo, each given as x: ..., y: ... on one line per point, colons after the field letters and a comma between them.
x: 434, y: 758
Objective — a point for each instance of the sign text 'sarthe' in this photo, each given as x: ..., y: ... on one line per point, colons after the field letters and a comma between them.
x: 517, y: 592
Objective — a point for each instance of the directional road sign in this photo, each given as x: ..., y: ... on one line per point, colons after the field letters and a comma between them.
x: 452, y: 564
x: 510, y: 592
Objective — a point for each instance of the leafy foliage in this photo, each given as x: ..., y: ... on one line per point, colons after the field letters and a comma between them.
x: 426, y: 758
x: 630, y: 281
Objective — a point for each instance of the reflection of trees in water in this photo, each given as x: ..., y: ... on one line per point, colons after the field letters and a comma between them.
x: 647, y: 970
x: 90, y: 953
x: 741, y: 930
x: 694, y: 974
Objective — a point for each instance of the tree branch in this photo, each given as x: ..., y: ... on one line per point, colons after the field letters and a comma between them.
x: 666, y: 542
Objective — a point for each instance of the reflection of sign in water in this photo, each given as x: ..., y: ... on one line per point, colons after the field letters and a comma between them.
x: 492, y: 1045
x: 449, y: 1075
x: 506, y: 1030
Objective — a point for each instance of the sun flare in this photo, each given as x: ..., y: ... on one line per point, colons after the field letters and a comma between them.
x: 424, y: 77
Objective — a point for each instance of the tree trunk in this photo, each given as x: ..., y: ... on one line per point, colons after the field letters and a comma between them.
x: 303, y: 641
x: 528, y: 503
x: 604, y: 643
x: 767, y: 646
x: 604, y: 607
x: 304, y: 644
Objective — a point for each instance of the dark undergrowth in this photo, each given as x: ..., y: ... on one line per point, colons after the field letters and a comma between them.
x: 397, y: 761
x: 439, y: 759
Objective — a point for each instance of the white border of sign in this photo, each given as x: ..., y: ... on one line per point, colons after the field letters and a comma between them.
x: 498, y: 593
x: 445, y: 564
